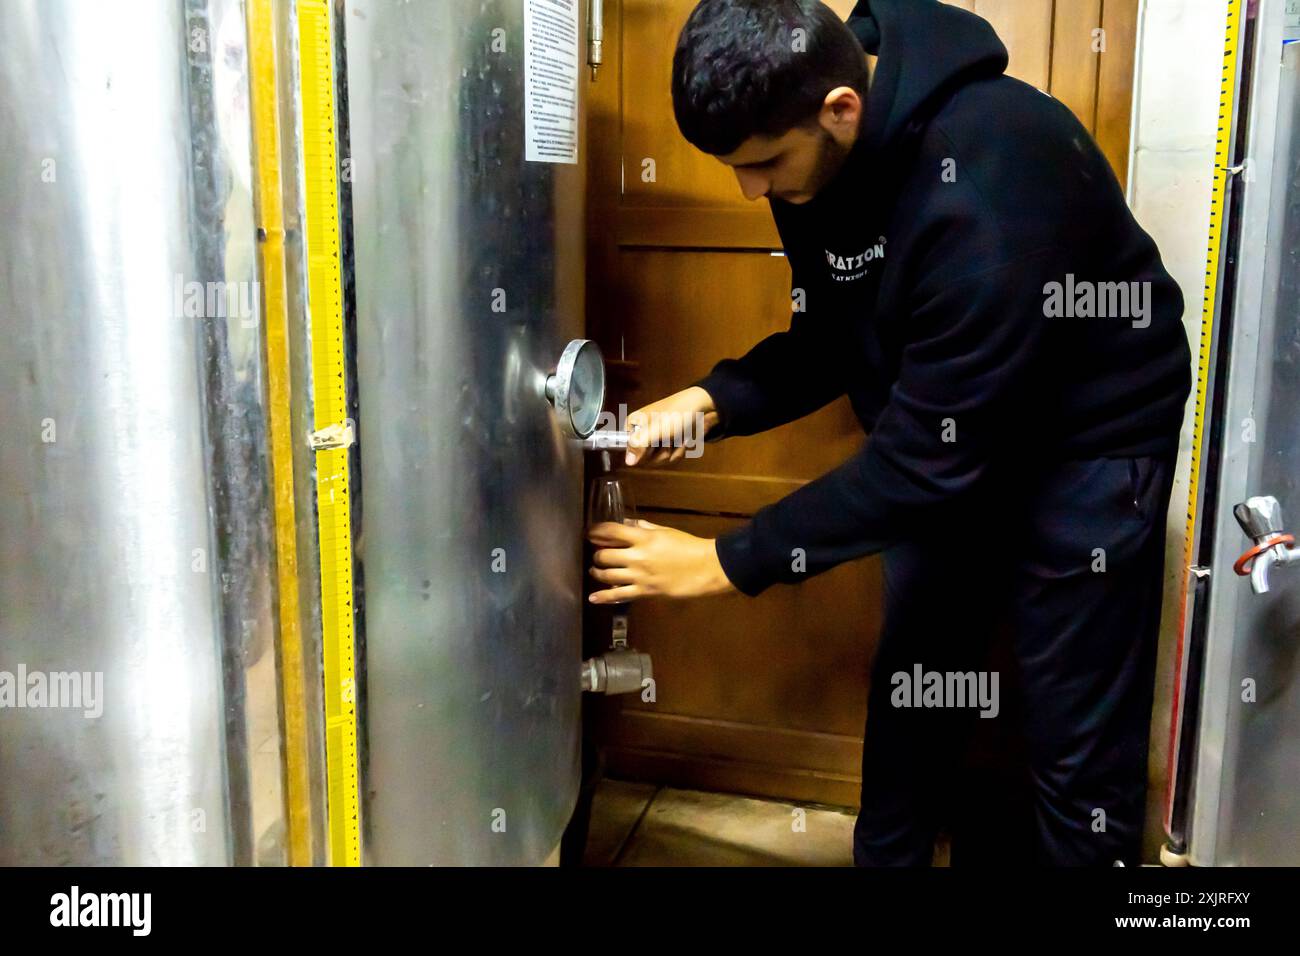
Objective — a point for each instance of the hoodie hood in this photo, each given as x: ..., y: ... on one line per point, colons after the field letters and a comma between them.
x: 925, y: 50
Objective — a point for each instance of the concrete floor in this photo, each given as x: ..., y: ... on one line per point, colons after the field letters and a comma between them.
x: 642, y: 824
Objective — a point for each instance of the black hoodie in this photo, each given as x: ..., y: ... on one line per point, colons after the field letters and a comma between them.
x: 974, y: 281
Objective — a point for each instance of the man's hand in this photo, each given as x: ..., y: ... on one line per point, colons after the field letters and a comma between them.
x: 648, y: 560
x: 651, y: 428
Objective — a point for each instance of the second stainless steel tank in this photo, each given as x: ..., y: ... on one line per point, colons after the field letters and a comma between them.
x: 468, y: 286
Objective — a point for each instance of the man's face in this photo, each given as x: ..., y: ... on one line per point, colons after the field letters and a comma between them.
x: 794, y: 166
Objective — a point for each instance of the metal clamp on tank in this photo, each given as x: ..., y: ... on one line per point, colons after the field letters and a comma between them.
x: 1261, y: 519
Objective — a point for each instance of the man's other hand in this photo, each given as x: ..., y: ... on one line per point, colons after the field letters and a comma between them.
x: 648, y: 560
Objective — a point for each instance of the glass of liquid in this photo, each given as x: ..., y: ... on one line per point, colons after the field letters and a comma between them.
x: 608, y: 501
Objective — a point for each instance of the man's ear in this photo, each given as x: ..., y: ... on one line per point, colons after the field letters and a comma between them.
x: 841, y: 114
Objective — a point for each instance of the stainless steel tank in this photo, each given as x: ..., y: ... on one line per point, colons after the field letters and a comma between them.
x: 468, y: 285
x: 1242, y: 727
x: 136, y: 551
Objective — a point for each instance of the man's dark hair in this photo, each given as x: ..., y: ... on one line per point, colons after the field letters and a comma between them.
x: 742, y: 70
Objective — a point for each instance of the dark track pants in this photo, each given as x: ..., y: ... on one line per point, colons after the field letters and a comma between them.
x: 1084, y: 646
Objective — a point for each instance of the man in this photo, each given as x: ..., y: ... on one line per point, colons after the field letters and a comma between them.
x: 966, y: 270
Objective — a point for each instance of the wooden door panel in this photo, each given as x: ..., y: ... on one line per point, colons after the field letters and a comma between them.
x: 763, y: 695
x: 683, y: 175
x: 779, y: 659
x: 683, y: 311
x: 1115, y: 83
x: 1025, y: 26
x: 1074, y: 62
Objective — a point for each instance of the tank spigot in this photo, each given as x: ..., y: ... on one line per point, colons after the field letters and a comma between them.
x: 617, y: 671
x: 1261, y: 519
x: 605, y: 440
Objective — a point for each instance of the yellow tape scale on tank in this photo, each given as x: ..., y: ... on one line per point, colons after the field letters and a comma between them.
x: 329, y: 376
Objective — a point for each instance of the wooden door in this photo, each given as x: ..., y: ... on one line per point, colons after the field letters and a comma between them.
x: 759, y: 695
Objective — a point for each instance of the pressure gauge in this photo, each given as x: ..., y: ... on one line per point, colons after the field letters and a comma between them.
x: 577, y: 388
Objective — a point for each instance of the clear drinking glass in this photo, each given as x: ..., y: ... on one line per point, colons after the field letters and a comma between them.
x: 608, y: 501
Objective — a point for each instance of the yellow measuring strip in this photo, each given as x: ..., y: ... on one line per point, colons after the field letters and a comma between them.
x: 329, y: 377
x: 270, y: 218
x: 1209, y: 304
x: 1218, y: 199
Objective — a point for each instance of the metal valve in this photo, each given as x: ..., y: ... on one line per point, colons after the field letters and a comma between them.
x: 606, y: 440
x: 595, y: 35
x: 577, y: 391
x: 1261, y: 519
x: 617, y: 671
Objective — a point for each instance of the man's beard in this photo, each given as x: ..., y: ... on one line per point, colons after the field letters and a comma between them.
x: 830, y: 162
